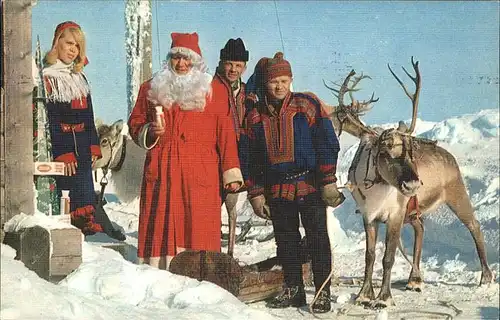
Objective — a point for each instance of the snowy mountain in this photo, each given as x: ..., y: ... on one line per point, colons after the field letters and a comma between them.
x: 106, y: 286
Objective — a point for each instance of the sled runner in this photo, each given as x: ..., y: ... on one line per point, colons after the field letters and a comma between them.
x: 250, y: 283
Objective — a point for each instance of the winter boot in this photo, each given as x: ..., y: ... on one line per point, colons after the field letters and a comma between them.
x: 322, y: 303
x: 289, y: 297
x: 101, y: 217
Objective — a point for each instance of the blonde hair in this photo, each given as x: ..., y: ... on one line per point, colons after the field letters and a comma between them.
x: 51, y: 56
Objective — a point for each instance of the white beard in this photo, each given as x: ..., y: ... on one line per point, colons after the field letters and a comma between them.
x: 188, y: 91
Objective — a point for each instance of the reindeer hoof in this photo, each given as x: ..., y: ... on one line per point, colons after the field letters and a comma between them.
x: 363, y: 300
x: 486, y: 277
x: 414, y: 289
x: 381, y: 304
x: 414, y: 286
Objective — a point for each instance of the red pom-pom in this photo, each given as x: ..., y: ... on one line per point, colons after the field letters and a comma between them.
x: 278, y: 55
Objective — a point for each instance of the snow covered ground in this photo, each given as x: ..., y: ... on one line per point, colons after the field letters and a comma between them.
x: 107, y: 286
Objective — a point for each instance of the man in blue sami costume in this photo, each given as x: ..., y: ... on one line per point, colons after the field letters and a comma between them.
x: 291, y: 150
x: 71, y: 120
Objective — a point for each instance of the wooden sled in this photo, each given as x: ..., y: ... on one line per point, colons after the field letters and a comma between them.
x: 249, y: 283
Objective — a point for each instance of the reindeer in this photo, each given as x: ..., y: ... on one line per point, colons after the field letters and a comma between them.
x: 396, y: 178
x: 123, y: 157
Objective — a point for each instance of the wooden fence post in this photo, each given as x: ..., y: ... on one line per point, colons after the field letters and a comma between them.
x: 16, y: 159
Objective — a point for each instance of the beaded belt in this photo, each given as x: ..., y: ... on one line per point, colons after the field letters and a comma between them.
x: 291, y: 176
x: 77, y: 127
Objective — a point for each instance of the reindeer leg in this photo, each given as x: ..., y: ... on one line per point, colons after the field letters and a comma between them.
x: 394, y: 225
x: 461, y: 206
x: 366, y: 293
x: 415, y: 281
x: 231, y: 200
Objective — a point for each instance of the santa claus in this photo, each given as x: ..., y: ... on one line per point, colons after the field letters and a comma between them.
x: 180, y: 120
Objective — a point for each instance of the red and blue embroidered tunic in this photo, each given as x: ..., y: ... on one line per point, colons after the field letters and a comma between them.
x: 290, y: 154
x: 73, y: 132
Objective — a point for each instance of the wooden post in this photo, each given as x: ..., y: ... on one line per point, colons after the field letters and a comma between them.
x: 138, y: 46
x: 2, y: 128
x: 147, y: 49
x: 17, y: 119
x: 2, y: 155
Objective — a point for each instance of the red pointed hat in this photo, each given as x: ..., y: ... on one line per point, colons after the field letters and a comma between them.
x: 186, y: 40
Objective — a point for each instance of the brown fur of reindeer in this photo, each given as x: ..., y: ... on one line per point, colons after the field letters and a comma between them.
x: 394, y: 179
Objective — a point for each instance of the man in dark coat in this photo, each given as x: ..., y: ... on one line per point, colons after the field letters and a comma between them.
x: 232, y: 64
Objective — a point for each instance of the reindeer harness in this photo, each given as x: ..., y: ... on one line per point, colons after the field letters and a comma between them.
x: 104, y: 180
x: 408, y: 143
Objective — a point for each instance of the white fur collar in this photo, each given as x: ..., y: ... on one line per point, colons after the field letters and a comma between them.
x: 65, y: 85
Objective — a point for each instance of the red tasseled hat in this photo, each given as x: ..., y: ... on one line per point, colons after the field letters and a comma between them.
x: 183, y: 41
x: 277, y: 66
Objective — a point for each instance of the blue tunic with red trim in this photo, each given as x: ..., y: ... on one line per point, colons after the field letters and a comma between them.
x: 291, y: 154
x: 74, y: 139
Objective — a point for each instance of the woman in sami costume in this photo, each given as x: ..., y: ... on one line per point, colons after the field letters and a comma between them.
x: 71, y: 121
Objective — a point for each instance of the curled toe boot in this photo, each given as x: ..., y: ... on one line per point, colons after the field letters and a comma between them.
x: 289, y: 297
x: 323, y: 303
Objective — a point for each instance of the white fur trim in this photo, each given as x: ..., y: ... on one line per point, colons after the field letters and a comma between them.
x: 142, y: 138
x: 232, y: 175
x: 162, y: 262
x: 65, y: 85
x: 195, y: 57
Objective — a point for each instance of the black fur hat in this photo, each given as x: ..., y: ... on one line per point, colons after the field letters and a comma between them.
x: 234, y: 50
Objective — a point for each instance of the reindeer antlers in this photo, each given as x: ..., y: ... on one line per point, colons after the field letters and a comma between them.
x: 357, y: 108
x: 360, y: 107
x: 413, y: 97
x: 343, y: 88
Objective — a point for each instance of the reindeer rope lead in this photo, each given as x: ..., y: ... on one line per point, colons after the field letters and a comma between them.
x: 331, y: 272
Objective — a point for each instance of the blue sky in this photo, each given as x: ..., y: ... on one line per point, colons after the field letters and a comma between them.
x: 457, y: 44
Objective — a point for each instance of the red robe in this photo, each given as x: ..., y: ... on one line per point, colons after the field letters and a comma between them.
x: 180, y: 202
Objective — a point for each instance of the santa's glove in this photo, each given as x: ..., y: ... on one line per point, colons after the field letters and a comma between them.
x: 260, y: 208
x: 331, y: 195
